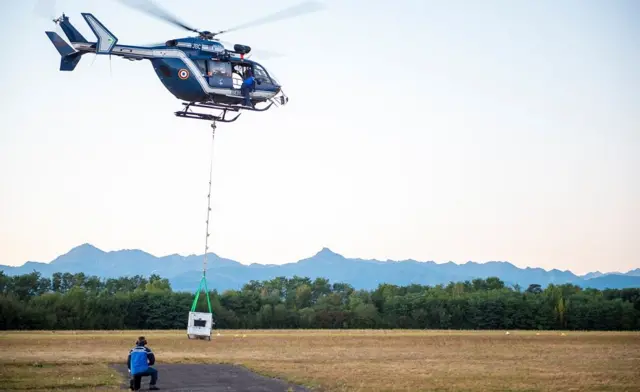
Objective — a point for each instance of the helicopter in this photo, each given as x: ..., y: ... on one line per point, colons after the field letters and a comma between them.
x: 198, y: 70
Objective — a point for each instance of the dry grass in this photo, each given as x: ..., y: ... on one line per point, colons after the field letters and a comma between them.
x: 58, y: 377
x: 344, y: 360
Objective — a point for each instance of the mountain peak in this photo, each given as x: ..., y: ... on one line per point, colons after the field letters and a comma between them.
x: 325, y: 255
x: 84, y: 247
x: 635, y: 272
x: 84, y: 251
x: 592, y: 275
x: 326, y: 252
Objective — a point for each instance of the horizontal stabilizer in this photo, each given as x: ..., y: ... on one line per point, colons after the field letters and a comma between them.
x: 63, y: 48
x: 69, y: 57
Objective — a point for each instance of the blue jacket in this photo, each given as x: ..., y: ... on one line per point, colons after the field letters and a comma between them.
x: 139, y: 360
x: 250, y: 82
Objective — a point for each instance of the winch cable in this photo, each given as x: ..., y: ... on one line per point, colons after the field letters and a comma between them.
x: 206, y: 239
x: 203, y: 280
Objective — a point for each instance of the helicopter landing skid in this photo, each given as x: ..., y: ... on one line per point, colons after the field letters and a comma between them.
x: 235, y: 108
x: 222, y: 117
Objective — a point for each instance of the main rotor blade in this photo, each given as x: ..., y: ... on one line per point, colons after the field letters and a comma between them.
x: 296, y: 10
x: 45, y: 9
x: 152, y: 44
x: 263, y: 54
x: 150, y: 8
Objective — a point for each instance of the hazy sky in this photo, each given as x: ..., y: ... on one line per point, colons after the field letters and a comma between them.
x: 432, y: 130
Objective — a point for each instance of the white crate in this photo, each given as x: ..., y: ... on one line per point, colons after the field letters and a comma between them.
x: 200, y: 325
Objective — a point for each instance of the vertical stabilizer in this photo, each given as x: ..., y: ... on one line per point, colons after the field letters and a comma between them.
x: 106, y: 39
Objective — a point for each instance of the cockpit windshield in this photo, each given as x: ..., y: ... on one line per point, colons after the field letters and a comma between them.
x: 274, y: 79
x: 260, y: 74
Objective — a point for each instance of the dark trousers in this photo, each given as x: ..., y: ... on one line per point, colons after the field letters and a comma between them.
x: 245, y: 90
x: 137, y: 378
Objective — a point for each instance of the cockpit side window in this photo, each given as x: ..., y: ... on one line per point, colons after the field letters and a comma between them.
x: 219, y: 68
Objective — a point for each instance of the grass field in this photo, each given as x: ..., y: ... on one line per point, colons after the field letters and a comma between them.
x: 348, y: 360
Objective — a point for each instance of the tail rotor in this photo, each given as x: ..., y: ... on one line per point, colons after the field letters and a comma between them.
x: 46, y: 9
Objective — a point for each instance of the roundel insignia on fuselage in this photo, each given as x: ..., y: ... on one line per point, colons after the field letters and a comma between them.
x: 183, y: 74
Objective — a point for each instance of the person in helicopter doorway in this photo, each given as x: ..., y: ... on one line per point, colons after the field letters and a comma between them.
x: 140, y: 362
x: 248, y: 85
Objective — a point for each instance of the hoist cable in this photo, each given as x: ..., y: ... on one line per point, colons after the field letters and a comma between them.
x: 206, y: 239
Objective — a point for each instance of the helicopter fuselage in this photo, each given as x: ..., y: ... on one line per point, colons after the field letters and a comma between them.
x: 192, y: 69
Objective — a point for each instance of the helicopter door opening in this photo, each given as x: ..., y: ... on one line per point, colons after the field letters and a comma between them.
x: 263, y: 80
x: 239, y: 74
x: 237, y: 80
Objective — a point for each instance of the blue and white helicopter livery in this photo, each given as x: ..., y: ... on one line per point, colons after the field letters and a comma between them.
x: 198, y: 70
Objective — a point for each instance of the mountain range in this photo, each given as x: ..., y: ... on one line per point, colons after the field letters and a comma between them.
x: 184, y: 272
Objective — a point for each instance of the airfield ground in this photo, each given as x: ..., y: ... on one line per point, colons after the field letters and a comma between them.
x: 348, y: 360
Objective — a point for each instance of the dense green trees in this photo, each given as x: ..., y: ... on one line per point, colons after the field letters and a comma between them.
x: 76, y: 301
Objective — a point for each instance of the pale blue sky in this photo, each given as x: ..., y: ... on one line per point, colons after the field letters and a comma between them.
x: 432, y: 130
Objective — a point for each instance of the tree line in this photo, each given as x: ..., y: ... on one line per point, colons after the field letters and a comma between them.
x: 76, y: 301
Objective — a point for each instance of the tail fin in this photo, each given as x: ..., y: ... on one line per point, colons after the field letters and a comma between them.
x: 71, y: 32
x: 106, y: 39
x: 70, y: 57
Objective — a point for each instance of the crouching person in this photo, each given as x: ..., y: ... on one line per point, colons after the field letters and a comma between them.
x: 140, y: 362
